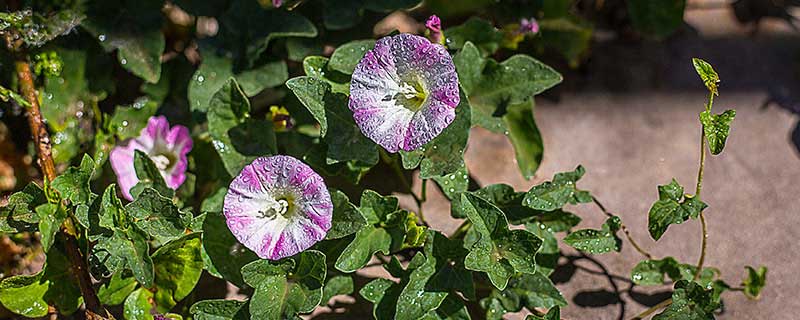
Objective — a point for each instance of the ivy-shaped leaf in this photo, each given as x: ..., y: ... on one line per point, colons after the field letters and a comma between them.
x: 73, y: 184
x: 319, y: 67
x: 755, y: 281
x: 124, y: 248
x: 469, y: 66
x: 480, y: 32
x: 51, y: 216
x: 384, y: 232
x: 442, y: 273
x: 689, y: 301
x: 552, y: 314
x: 297, y: 281
x: 454, y: 183
x: 502, y: 85
x: 138, y: 305
x: 552, y: 195
x: 158, y: 216
x: 338, y: 285
x: 506, y: 199
x: 499, y: 252
x: 672, y: 207
x: 716, y: 128
x: 19, y: 213
x: 236, y: 136
x: 116, y: 289
x: 149, y: 176
x: 384, y: 293
x: 597, y: 241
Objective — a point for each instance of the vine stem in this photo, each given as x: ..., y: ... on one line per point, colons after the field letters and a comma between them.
x: 659, y: 306
x: 94, y: 309
x: 624, y: 230
x: 699, y: 188
x: 399, y: 172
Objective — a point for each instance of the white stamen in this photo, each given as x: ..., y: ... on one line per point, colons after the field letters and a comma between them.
x: 161, y: 161
x: 408, y: 91
x: 274, y: 208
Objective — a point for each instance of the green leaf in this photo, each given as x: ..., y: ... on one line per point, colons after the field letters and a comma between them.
x: 593, y: 241
x: 673, y: 207
x: 525, y: 137
x: 137, y: 306
x: 51, y: 216
x: 219, y: 310
x: 134, y: 28
x: 569, y: 35
x: 346, y: 217
x: 149, y: 176
x: 73, y: 184
x: 385, y: 231
x: 552, y: 314
x: 237, y: 137
x: 128, y: 121
x: 469, y: 66
x: 536, y: 291
x: 454, y: 183
x: 429, y: 284
x: 659, y: 18
x: 444, y: 155
x: 755, y: 281
x: 216, y: 70
x: 452, y: 308
x: 707, y: 74
x: 30, y: 295
x: 285, y: 287
x: 317, y: 67
x: 552, y: 195
x: 716, y: 128
x: 35, y: 29
x: 504, y: 197
x: 116, y: 289
x: 19, y: 214
x: 514, y: 81
x: 338, y: 285
x: 158, y: 216
x: 178, y: 265
x: 689, y: 302
x: 129, y: 248
x: 248, y: 29
x: 384, y: 293
x: 345, y: 58
x: 344, y: 139
x: 224, y: 256
x: 558, y: 220
x: 499, y: 252
x: 547, y: 257
x: 478, y: 31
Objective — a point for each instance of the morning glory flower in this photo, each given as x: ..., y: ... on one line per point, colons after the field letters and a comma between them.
x: 530, y: 26
x: 277, y: 207
x: 434, y: 25
x: 277, y: 3
x: 404, y: 92
x: 166, y: 147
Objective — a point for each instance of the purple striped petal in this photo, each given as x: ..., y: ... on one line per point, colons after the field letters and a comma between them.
x: 277, y: 207
x: 404, y: 92
x: 166, y: 146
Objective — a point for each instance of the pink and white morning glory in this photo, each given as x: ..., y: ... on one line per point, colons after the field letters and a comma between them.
x: 404, y: 92
x: 166, y: 147
x: 277, y: 207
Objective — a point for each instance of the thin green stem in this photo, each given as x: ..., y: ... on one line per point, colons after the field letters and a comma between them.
x: 624, y: 230
x: 699, y: 189
x: 661, y: 305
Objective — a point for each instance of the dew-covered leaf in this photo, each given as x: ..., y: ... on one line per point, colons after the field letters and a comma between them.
x: 178, y: 265
x: 297, y: 280
x: 552, y: 195
x: 716, y: 128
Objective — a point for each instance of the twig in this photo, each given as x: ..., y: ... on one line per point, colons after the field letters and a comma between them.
x: 624, y: 230
x: 659, y: 306
x: 94, y: 309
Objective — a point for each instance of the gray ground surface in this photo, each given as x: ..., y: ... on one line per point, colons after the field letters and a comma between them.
x: 630, y: 117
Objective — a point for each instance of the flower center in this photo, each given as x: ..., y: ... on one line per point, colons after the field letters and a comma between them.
x: 163, y: 161
x: 411, y: 95
x: 275, y: 208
